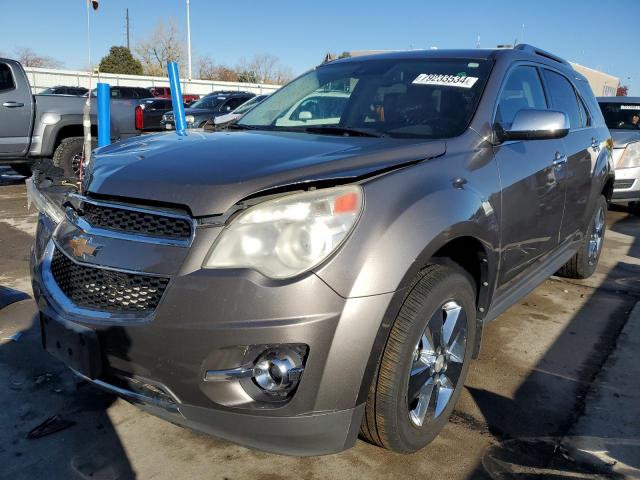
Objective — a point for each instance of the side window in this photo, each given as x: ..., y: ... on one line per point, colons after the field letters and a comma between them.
x: 6, y: 78
x: 584, y: 114
x: 563, y: 97
x: 523, y: 90
x: 232, y: 104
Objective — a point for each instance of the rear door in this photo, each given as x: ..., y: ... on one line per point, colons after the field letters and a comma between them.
x: 16, y: 110
x: 581, y: 149
x: 533, y: 193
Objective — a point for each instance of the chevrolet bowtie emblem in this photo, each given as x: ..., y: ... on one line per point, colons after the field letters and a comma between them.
x: 80, y: 247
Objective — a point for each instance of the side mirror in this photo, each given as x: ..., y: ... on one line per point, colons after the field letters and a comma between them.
x: 532, y: 124
x: 304, y: 116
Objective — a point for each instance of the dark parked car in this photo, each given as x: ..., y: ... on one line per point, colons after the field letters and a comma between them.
x: 622, y: 115
x: 207, y: 108
x: 149, y: 114
x: 126, y: 93
x: 239, y: 112
x: 62, y: 90
x: 297, y: 280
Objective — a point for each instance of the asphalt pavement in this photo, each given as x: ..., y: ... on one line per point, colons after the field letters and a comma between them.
x: 554, y: 394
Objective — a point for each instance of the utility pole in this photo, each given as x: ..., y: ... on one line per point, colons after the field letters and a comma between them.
x: 188, y: 42
x: 127, y: 18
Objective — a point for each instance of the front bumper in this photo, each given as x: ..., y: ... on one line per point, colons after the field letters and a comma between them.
x: 627, y: 185
x: 208, y: 320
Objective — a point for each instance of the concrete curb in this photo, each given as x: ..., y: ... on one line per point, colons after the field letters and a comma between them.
x: 608, y: 433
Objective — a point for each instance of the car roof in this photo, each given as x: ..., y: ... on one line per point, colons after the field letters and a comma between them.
x: 618, y: 99
x: 519, y: 52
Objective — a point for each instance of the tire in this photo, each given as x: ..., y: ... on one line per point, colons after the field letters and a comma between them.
x: 634, y: 208
x: 391, y: 419
x: 23, y: 169
x: 585, y: 260
x: 68, y: 154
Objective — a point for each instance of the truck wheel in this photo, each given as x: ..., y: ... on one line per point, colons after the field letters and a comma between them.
x: 424, y: 363
x: 68, y: 155
x: 585, y: 260
x: 23, y: 169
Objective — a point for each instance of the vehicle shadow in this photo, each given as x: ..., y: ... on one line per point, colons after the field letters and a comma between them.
x: 37, y: 387
x: 533, y: 430
x: 9, y: 177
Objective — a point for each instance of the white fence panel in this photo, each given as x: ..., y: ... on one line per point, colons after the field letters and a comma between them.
x: 41, y: 78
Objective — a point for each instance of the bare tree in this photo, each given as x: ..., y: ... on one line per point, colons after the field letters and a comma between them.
x: 29, y: 58
x: 209, y: 70
x: 266, y: 68
x: 166, y: 44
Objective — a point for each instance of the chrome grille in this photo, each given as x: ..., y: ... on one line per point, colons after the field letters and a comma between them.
x: 106, y: 290
x: 626, y: 183
x: 135, y: 222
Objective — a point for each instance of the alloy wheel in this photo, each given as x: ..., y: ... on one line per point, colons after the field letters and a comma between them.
x: 437, y: 363
x: 597, y: 235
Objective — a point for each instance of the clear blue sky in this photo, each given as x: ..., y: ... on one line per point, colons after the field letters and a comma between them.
x: 599, y: 34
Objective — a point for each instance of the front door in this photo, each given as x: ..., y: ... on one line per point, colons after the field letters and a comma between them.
x: 532, y: 187
x: 15, y: 111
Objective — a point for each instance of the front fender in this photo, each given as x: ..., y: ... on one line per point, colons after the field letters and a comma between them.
x: 409, y: 215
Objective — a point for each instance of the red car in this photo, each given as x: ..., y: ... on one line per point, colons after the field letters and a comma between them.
x: 165, y: 92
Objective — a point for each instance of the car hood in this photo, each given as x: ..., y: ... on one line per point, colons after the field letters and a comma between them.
x: 621, y: 138
x: 209, y: 172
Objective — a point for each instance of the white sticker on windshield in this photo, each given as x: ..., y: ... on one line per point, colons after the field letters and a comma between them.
x: 461, y: 81
x: 629, y: 107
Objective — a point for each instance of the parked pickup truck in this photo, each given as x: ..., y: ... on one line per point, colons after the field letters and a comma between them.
x: 34, y: 126
x: 165, y: 92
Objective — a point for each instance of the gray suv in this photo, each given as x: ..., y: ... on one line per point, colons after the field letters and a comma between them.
x: 315, y: 273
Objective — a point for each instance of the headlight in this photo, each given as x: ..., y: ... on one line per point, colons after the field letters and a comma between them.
x: 287, y: 236
x: 190, y: 119
x: 630, y: 157
x: 164, y: 117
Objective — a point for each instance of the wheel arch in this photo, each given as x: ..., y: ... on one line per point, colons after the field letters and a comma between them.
x: 466, y: 252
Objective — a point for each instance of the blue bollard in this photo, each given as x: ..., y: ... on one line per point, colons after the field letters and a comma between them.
x: 176, y: 98
x: 104, y: 114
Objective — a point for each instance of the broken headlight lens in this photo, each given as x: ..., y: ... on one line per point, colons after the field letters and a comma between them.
x: 289, y: 235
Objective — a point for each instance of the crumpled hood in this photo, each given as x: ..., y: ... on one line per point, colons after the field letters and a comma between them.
x: 621, y: 138
x: 209, y: 172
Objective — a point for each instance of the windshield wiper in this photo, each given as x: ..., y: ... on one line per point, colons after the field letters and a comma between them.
x: 236, y: 126
x: 350, y: 132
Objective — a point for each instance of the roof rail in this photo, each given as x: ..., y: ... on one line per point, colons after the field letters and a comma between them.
x: 543, y: 53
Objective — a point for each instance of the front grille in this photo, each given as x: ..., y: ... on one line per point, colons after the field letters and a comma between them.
x: 627, y: 183
x: 136, y: 222
x: 106, y: 290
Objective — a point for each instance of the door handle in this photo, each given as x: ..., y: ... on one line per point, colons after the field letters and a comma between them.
x: 12, y: 104
x: 559, y: 160
x: 595, y: 144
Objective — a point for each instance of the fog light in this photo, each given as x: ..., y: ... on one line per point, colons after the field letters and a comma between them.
x: 278, y: 370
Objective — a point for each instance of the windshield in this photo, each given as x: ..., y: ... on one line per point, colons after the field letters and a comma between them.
x: 210, y: 102
x: 414, y: 98
x: 621, y: 116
